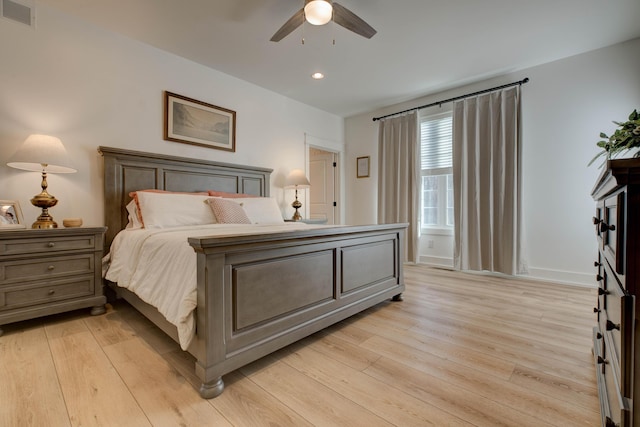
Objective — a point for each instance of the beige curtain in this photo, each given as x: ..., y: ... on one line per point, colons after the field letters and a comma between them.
x: 487, y: 183
x: 399, y: 176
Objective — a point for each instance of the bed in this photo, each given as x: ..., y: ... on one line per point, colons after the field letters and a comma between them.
x: 255, y: 293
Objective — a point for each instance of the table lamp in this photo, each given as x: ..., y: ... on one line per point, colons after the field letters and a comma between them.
x: 297, y: 179
x: 46, y: 154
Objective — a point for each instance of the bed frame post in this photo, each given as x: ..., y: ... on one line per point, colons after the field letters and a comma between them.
x: 210, y: 293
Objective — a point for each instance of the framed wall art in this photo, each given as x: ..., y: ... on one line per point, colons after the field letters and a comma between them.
x: 198, y: 123
x: 362, y: 167
x: 10, y: 215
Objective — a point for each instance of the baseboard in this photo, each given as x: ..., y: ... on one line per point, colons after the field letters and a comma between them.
x: 541, y: 274
x: 434, y: 261
x: 560, y: 276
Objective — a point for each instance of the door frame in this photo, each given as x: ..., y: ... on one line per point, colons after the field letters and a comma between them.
x: 338, y: 149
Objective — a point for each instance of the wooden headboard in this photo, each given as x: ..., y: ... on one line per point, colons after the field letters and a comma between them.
x: 126, y: 171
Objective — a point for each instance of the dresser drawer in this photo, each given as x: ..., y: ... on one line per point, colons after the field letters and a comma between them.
x: 12, y: 297
x: 611, y: 230
x: 46, y: 245
x: 616, y: 321
x: 619, y: 413
x: 45, y: 268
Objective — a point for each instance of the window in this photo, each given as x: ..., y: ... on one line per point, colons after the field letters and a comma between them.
x: 436, y: 173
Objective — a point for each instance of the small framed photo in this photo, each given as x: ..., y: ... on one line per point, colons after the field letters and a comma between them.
x: 198, y: 123
x: 10, y: 215
x: 362, y: 167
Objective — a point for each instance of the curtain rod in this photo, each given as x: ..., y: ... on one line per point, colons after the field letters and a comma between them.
x: 521, y: 82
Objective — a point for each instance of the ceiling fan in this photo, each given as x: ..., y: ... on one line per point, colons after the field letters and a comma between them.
x: 320, y: 12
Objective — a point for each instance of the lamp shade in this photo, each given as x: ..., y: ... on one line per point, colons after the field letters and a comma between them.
x: 297, y: 179
x: 318, y: 12
x: 42, y: 153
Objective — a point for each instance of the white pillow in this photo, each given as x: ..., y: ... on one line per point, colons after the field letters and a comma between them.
x: 134, y: 218
x: 261, y: 210
x: 164, y: 210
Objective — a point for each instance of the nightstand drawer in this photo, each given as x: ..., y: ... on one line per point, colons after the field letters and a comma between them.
x: 45, y: 268
x: 45, y: 245
x: 45, y: 292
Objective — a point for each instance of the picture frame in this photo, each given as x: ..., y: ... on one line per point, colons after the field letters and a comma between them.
x: 195, y: 122
x: 362, y: 167
x: 11, y: 215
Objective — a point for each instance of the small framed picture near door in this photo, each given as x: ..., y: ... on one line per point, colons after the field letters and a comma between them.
x: 10, y: 215
x: 362, y: 167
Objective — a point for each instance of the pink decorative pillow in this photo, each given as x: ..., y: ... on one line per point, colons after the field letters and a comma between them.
x: 227, y: 211
x: 226, y: 195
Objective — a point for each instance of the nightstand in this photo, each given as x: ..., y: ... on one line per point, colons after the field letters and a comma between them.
x: 50, y: 271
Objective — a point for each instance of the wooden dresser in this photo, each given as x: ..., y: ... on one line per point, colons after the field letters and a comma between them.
x: 616, y: 337
x: 45, y: 272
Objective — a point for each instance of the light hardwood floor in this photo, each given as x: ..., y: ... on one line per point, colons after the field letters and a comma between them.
x: 461, y: 349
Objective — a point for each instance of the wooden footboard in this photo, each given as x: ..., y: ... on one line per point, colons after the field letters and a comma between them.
x: 265, y: 292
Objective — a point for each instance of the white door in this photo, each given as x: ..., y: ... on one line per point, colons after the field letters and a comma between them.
x: 322, y: 176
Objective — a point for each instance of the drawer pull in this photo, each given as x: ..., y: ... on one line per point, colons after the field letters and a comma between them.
x: 596, y: 310
x: 611, y: 326
x: 606, y: 227
x: 598, y: 336
x: 51, y: 267
x: 51, y: 244
x: 602, y: 292
x: 596, y: 220
x: 51, y: 292
x: 602, y: 361
x: 596, y: 264
x: 599, y: 278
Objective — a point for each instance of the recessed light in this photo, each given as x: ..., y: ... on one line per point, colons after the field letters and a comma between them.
x: 317, y: 76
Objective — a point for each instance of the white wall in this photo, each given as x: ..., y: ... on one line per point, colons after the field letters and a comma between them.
x: 565, y: 106
x: 91, y: 87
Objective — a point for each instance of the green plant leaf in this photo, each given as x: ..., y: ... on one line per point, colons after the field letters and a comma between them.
x: 624, y: 138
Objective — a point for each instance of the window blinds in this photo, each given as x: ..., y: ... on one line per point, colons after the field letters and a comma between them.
x: 436, y: 142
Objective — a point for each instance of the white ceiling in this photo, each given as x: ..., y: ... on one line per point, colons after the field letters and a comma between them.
x: 422, y: 46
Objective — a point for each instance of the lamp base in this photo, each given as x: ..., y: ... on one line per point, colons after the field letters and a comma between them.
x: 45, y: 201
x: 296, y: 205
x: 296, y: 216
x: 44, y: 224
x: 44, y: 220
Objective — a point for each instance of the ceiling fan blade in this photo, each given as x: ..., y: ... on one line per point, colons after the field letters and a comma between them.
x: 349, y: 20
x: 294, y: 22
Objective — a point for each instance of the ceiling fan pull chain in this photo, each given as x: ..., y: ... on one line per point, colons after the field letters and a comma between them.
x: 333, y: 25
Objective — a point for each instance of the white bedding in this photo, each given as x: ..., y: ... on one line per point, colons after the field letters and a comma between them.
x: 159, y: 266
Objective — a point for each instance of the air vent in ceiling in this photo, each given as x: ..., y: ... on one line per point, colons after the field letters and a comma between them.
x: 23, y: 11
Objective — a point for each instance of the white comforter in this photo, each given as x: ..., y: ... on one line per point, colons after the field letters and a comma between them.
x: 159, y: 266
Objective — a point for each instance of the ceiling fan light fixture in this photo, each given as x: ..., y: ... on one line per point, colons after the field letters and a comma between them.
x: 318, y: 12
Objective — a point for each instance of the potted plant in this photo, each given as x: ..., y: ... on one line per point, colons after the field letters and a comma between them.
x: 624, y: 138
